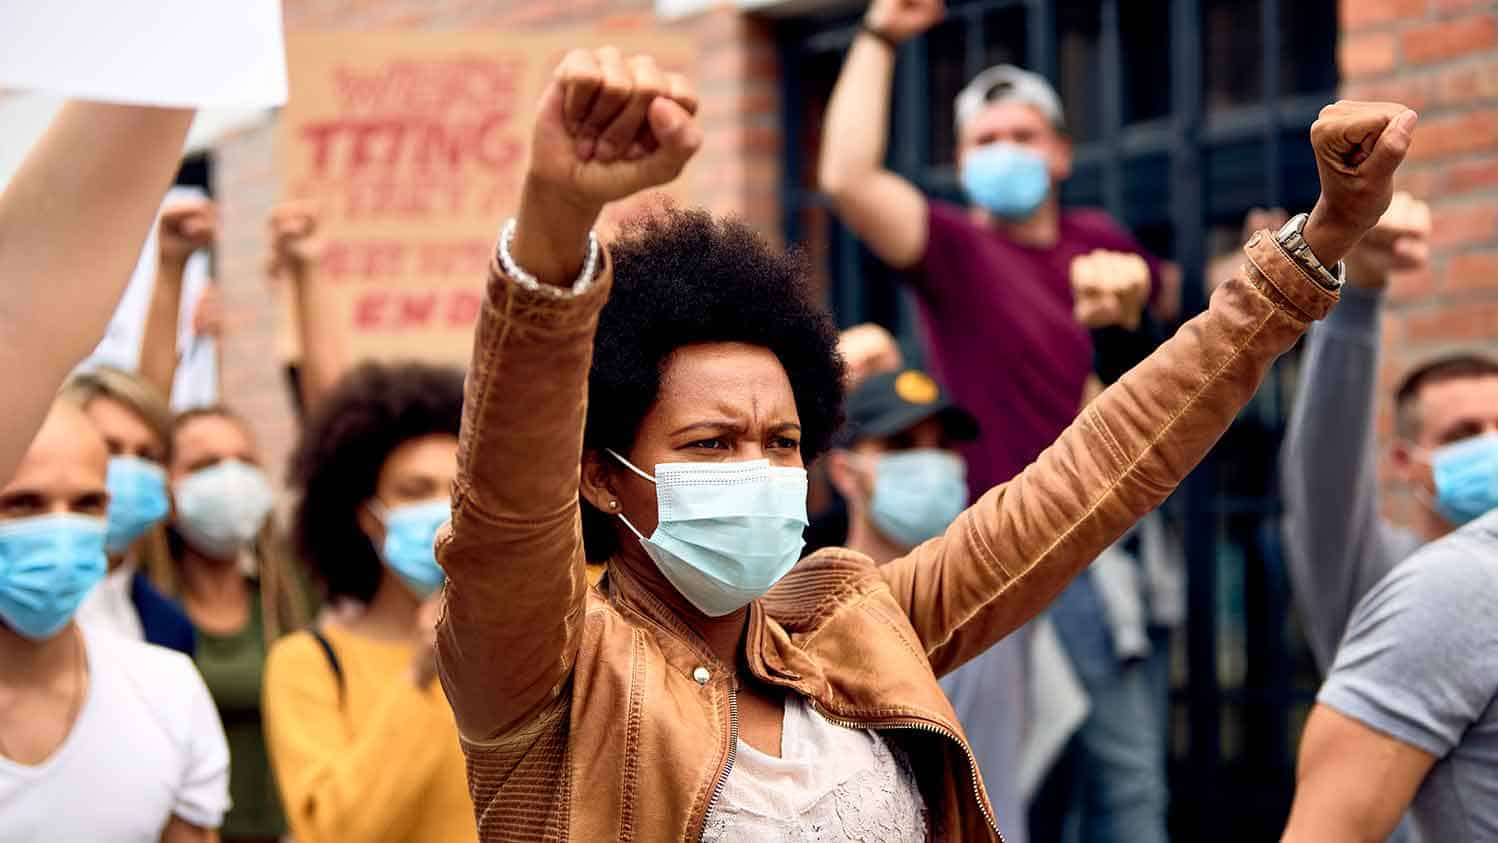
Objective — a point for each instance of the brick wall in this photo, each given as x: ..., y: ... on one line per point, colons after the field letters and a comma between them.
x: 738, y: 170
x: 1441, y: 58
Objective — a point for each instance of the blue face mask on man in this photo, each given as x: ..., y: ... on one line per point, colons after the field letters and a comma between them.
x: 1006, y: 179
x: 48, y: 563
x: 1466, y: 475
x: 917, y: 494
x: 410, y: 535
x: 137, y: 501
x: 726, y: 531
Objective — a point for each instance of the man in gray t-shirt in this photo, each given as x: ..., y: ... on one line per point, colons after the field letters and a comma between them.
x: 1408, y: 717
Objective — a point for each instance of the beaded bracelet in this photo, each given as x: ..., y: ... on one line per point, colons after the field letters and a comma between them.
x: 530, y: 282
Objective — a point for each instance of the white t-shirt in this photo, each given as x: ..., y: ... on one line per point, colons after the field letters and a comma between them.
x: 108, y: 606
x: 147, y: 745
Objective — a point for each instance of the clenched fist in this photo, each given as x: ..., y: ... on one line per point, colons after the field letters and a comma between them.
x: 1358, y: 146
x: 900, y: 20
x: 868, y: 349
x: 1109, y: 288
x: 294, y: 240
x: 611, y: 126
x: 186, y: 226
x: 1400, y: 242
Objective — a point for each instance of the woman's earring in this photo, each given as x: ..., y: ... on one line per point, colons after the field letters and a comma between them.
x: 613, y: 504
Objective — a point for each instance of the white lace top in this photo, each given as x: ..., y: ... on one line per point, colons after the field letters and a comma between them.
x: 830, y: 784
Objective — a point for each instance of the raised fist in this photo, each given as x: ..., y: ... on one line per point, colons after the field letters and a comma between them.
x: 186, y: 225
x: 1400, y: 242
x: 1109, y: 288
x: 1358, y: 146
x: 868, y: 349
x: 295, y: 244
x: 611, y: 126
x: 901, y: 20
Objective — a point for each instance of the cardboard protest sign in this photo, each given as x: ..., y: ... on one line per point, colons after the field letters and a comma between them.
x: 184, y: 53
x: 413, y: 145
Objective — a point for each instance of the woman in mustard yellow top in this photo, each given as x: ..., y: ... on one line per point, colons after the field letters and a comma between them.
x: 362, y: 741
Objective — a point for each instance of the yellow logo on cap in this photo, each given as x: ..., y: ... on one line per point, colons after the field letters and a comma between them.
x: 916, y: 387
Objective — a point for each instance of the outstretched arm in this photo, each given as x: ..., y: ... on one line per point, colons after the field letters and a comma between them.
x: 513, y: 553
x: 1008, y: 556
x: 296, y: 259
x: 887, y: 212
x: 186, y: 226
x: 1336, y: 545
x: 72, y: 221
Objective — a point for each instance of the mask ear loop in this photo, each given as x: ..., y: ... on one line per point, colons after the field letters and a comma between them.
x: 631, y: 466
x: 627, y: 464
x: 378, y: 510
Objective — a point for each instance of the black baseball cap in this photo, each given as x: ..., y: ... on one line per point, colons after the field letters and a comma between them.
x: 890, y: 402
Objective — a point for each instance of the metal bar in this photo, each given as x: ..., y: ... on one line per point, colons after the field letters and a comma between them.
x: 1040, y: 41
x: 791, y: 195
x: 1273, y: 178
x: 1200, y: 791
x: 1111, y: 57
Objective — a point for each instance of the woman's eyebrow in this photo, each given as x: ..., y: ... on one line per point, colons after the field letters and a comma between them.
x: 715, y: 424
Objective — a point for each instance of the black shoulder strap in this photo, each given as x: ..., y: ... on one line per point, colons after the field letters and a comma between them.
x: 327, y: 649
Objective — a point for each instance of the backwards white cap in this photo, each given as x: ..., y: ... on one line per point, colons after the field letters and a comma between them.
x: 1006, y: 82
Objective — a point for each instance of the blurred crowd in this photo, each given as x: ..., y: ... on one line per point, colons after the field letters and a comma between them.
x: 190, y: 653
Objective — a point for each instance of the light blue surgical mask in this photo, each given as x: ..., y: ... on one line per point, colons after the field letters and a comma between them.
x: 137, y: 501
x: 726, y: 531
x: 410, y: 533
x: 47, y: 564
x: 220, y: 509
x: 917, y: 494
x: 1466, y: 475
x: 1008, y: 180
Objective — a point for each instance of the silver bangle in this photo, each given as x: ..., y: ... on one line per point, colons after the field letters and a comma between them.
x: 530, y: 282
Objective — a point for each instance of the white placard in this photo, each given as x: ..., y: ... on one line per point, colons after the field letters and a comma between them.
x: 183, y: 53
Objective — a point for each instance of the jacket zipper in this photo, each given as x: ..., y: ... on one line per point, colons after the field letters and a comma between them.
x: 972, y: 763
x: 733, y: 752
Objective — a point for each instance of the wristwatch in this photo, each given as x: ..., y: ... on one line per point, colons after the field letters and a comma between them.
x: 1291, y: 237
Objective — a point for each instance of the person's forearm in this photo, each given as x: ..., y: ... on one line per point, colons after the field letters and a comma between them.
x: 1006, y: 558
x: 324, y: 351
x: 72, y: 221
x: 857, y: 122
x: 158, y: 347
x: 513, y: 551
x: 1327, y: 474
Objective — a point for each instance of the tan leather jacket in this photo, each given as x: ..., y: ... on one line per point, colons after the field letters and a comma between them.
x: 595, y: 715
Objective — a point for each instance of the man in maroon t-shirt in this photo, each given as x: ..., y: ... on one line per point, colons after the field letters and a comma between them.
x: 994, y: 285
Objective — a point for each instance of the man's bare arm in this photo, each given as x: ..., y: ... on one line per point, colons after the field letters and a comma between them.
x: 1355, y: 782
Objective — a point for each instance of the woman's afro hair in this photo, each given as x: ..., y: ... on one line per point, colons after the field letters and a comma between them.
x: 373, y: 410
x: 683, y: 277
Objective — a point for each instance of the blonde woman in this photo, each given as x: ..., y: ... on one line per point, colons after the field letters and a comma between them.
x: 136, y: 424
x: 239, y: 590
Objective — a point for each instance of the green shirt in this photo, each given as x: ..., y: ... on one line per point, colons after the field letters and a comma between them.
x: 234, y: 666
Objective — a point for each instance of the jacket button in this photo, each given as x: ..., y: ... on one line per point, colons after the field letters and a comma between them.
x: 701, y: 674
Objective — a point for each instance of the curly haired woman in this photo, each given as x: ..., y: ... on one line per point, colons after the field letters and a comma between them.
x: 715, y: 685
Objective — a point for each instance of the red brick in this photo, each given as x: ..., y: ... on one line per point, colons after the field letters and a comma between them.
x: 1361, y: 14
x: 1412, y: 91
x: 1466, y: 176
x: 1475, y: 271
x: 1367, y: 54
x: 1448, y: 39
x: 1462, y: 225
x: 1468, y: 84
x: 1470, y: 322
x: 1475, y: 131
x: 1415, y: 286
x: 1448, y: 7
